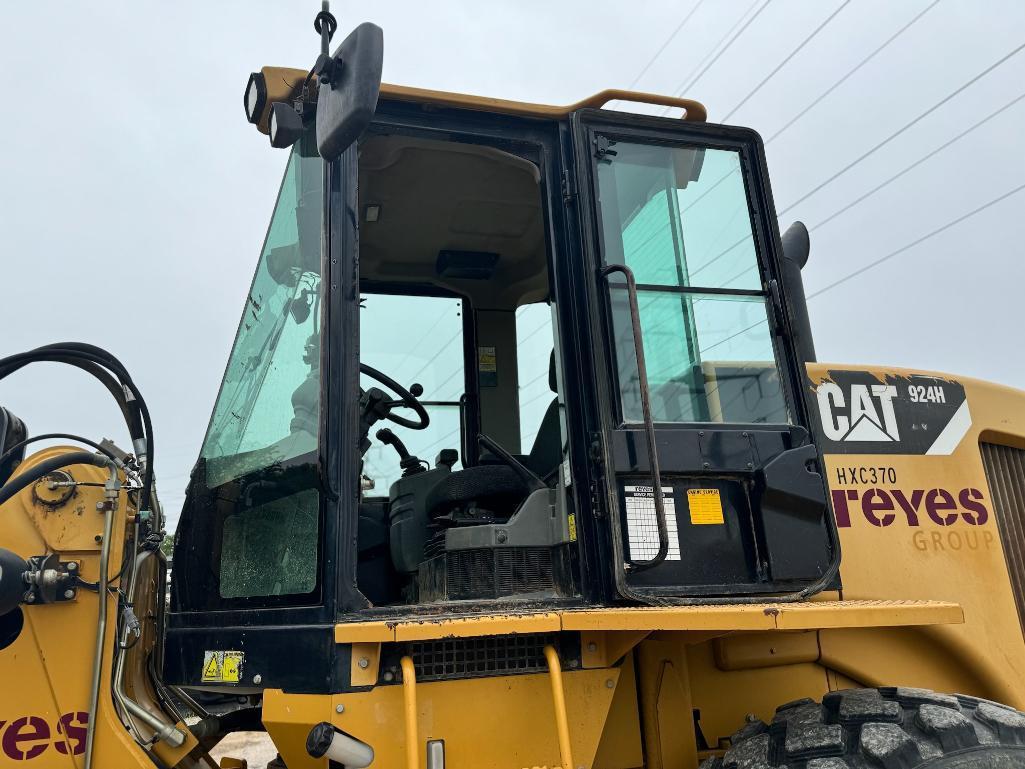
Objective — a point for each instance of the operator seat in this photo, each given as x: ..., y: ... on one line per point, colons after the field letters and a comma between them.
x: 497, y: 487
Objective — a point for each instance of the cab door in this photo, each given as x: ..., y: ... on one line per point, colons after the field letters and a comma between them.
x: 706, y: 460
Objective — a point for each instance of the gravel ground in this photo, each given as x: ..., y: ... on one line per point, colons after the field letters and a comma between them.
x: 255, y: 747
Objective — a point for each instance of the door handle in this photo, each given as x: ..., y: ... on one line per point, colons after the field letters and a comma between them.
x: 649, y: 424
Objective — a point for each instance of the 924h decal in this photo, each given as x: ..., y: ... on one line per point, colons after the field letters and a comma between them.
x: 863, y: 413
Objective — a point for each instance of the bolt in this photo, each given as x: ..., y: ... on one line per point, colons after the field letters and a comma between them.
x: 573, y: 664
x: 744, y: 434
x: 388, y: 676
x: 502, y: 536
x: 750, y: 465
x: 257, y: 679
x: 30, y: 597
x: 98, y: 538
x: 99, y: 506
x: 364, y: 663
x: 592, y: 647
x: 339, y: 708
x: 707, y: 465
x: 610, y: 684
x: 73, y: 566
x: 69, y: 593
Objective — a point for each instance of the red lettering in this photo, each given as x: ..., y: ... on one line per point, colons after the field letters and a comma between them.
x: 910, y: 508
x: 978, y: 514
x: 840, y: 509
x: 938, y: 500
x: 26, y: 729
x: 870, y: 507
x: 73, y: 726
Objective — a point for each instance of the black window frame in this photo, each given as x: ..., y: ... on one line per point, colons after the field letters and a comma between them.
x: 588, y: 125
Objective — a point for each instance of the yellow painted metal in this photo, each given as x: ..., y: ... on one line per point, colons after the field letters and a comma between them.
x: 559, y: 701
x: 486, y: 723
x: 914, y: 557
x: 46, y: 671
x: 410, y: 712
x: 739, y: 651
x: 620, y: 746
x: 666, y: 702
x: 365, y: 664
x: 694, y: 111
x: 600, y: 649
x: 767, y: 616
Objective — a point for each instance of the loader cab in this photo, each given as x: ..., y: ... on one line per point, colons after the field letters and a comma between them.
x: 435, y: 400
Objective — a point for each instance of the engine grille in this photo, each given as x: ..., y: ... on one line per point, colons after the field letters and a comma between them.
x: 1005, y: 472
x: 493, y: 573
x: 491, y: 656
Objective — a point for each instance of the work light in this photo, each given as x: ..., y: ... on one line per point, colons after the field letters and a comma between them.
x: 286, y: 125
x: 255, y: 97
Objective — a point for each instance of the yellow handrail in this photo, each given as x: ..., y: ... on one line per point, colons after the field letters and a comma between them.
x: 409, y: 697
x: 559, y: 700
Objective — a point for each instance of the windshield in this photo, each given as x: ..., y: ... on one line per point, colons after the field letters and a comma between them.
x: 679, y: 217
x: 254, y: 498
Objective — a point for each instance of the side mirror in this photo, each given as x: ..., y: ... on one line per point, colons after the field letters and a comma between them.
x: 349, y: 85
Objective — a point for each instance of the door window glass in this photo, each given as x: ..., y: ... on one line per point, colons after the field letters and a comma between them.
x: 679, y: 217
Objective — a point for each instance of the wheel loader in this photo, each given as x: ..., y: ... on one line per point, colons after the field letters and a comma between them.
x: 522, y: 458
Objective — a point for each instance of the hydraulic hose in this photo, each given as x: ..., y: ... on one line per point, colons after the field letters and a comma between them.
x: 48, y: 466
x: 91, y: 358
x: 50, y: 436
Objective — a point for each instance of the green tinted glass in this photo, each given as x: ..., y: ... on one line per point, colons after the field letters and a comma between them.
x: 679, y: 217
x: 268, y: 408
x: 260, y: 451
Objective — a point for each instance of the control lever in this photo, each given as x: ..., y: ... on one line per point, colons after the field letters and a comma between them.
x: 529, y: 477
x: 410, y: 464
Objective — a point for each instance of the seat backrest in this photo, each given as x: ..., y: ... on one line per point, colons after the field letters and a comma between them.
x: 546, y: 452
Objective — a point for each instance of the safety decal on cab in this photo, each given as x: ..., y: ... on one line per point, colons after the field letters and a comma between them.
x: 863, y: 413
x: 222, y: 667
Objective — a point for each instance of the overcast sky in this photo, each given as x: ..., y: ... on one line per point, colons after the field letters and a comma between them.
x: 134, y: 195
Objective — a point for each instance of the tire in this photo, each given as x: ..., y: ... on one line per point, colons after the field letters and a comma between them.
x: 889, y: 728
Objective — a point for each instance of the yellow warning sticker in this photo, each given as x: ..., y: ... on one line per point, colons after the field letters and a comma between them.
x: 572, y: 527
x: 705, y: 506
x: 222, y: 667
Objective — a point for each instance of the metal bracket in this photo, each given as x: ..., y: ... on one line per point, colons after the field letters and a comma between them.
x: 50, y: 580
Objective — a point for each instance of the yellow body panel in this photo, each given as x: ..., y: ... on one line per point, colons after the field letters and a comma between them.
x: 958, y: 563
x: 47, y: 671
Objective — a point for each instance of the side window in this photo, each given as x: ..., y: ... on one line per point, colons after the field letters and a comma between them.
x: 679, y: 218
x: 414, y: 339
x: 534, y: 346
x: 260, y: 452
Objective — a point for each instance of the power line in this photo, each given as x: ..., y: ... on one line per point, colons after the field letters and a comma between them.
x: 783, y: 63
x: 918, y: 162
x: 688, y: 84
x: 665, y: 45
x: 906, y: 126
x: 858, y: 66
x: 912, y: 244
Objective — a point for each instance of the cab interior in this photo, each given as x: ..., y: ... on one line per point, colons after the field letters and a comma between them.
x: 462, y: 499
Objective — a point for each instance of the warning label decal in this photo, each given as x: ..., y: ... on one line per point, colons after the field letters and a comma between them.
x: 642, y: 523
x: 705, y: 506
x: 222, y: 667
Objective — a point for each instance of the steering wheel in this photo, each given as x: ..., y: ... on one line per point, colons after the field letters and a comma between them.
x: 406, y: 399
